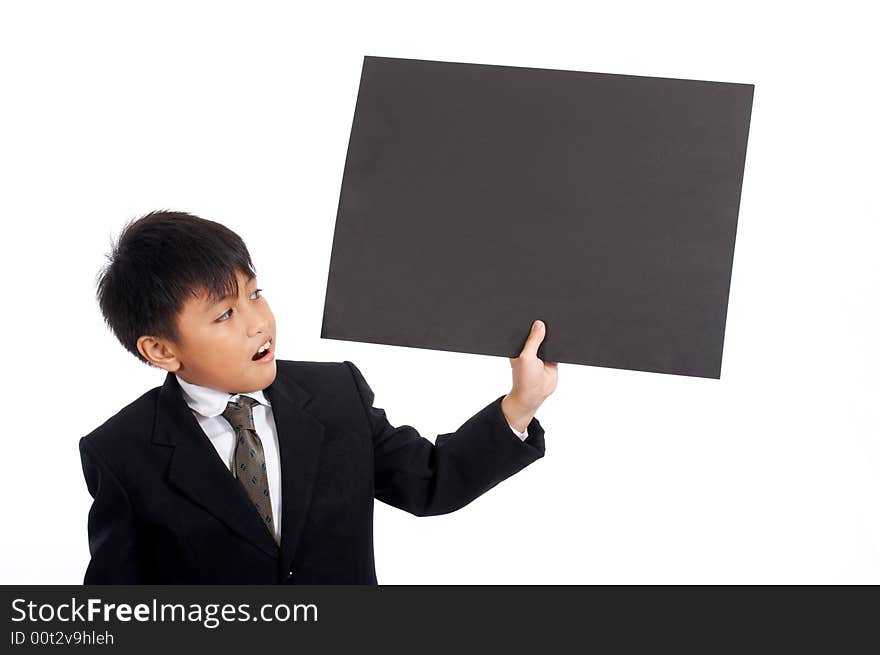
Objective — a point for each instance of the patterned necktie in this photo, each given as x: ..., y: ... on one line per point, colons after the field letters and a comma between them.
x: 250, y: 464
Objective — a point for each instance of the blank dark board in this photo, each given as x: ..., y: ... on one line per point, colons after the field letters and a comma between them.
x: 476, y: 198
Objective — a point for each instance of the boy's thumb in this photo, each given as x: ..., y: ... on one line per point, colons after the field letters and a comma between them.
x: 536, y: 336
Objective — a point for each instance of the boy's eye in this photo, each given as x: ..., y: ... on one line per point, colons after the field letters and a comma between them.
x: 224, y: 315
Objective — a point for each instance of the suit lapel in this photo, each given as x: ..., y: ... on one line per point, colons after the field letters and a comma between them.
x: 300, y: 436
x: 197, y: 471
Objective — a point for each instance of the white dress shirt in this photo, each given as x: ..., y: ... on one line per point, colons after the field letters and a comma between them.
x: 208, y: 406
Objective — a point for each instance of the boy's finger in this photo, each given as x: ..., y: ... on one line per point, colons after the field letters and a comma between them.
x: 536, y: 336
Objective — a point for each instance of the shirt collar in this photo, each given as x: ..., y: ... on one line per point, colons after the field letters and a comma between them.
x: 212, y: 402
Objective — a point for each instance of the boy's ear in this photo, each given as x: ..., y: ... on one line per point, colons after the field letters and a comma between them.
x: 158, y: 353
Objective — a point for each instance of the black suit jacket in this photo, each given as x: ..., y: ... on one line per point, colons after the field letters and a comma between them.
x: 166, y: 509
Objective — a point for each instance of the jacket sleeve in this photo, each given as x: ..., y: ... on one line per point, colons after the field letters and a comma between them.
x: 428, y: 479
x: 111, y: 526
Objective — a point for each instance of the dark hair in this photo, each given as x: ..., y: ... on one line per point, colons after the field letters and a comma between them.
x: 158, y: 261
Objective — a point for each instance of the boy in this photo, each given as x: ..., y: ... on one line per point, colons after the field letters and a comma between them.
x: 246, y: 469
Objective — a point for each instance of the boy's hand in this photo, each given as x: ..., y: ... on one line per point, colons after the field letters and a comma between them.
x: 533, y: 381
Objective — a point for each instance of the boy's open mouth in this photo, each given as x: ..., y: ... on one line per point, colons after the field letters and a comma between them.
x: 263, y: 354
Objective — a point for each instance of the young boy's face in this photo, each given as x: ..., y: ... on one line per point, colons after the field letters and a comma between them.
x: 218, y: 341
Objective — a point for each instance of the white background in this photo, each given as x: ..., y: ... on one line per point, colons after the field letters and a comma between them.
x: 241, y: 113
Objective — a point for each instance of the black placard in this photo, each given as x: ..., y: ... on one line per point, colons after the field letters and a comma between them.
x: 477, y: 198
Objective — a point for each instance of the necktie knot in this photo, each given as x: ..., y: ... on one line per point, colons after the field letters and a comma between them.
x: 240, y: 413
